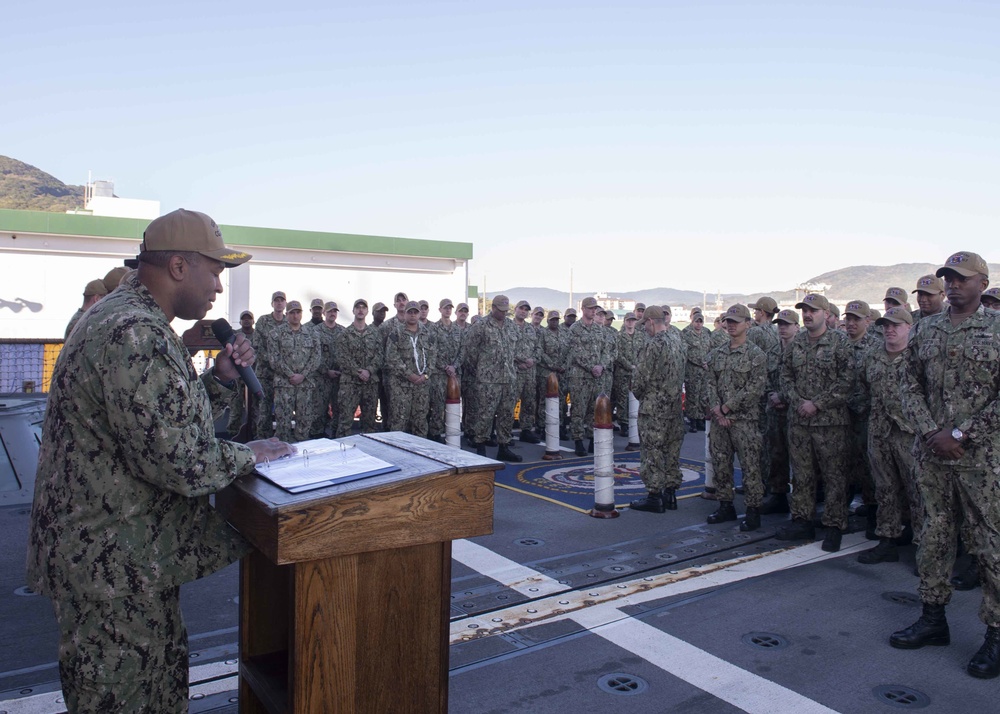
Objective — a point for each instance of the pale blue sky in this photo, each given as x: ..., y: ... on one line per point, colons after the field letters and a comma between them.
x: 699, y: 145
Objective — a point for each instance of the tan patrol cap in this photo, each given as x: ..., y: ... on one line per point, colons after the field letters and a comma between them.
x: 362, y: 301
x: 399, y: 295
x: 501, y: 302
x: 95, y: 287
x: 653, y: 312
x: 929, y: 284
x: 991, y: 294
x: 316, y: 302
x: 589, y: 302
x: 570, y: 311
x: 875, y: 314
x: 815, y: 301
x: 445, y: 302
x: 897, y: 315
x: 462, y: 306
x: 412, y: 305
x: 190, y: 231
x: 737, y: 313
x: 278, y: 294
x: 789, y: 316
x: 897, y: 294
x: 858, y: 308
x: 294, y: 305
x: 834, y: 310
x: 523, y: 303
x: 379, y: 306
x: 538, y: 310
x: 767, y: 304
x: 245, y: 313
x: 113, y: 278
x: 965, y: 264
x: 423, y: 304
x: 331, y: 306
x: 553, y: 315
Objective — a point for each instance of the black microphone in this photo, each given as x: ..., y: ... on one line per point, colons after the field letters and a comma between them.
x: 223, y: 332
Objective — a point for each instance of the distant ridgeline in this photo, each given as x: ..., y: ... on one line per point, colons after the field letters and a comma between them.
x: 24, y: 187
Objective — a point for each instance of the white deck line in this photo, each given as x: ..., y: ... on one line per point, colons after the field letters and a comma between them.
x: 504, y: 570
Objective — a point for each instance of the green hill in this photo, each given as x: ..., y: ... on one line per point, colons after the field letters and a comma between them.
x: 24, y: 187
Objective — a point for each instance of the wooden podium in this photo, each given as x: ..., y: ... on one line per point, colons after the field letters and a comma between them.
x: 344, y: 605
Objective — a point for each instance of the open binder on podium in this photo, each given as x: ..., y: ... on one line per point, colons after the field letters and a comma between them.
x: 318, y: 463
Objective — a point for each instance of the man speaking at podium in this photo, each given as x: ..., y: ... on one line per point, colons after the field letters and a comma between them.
x: 121, y: 514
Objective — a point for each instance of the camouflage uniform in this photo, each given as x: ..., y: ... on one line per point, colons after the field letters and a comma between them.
x: 525, y: 388
x: 388, y: 326
x: 778, y: 474
x: 859, y: 472
x: 327, y: 388
x: 822, y: 372
x: 408, y: 353
x: 587, y: 348
x: 294, y: 352
x: 263, y: 330
x: 73, y: 320
x: 447, y: 351
x: 737, y: 377
x: 720, y: 337
x: 237, y: 405
x: 488, y: 350
x: 953, y: 380
x: 121, y: 514
x: 658, y: 385
x: 890, y: 444
x: 626, y: 359
x: 551, y: 358
x: 765, y: 336
x: 695, y: 374
x: 358, y: 350
x: 608, y: 375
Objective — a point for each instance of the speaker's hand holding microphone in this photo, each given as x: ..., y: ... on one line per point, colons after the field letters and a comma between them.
x: 237, y: 358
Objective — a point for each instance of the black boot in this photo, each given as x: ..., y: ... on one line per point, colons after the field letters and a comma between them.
x: 831, y: 543
x: 701, y: 425
x: 652, y: 503
x: 930, y: 629
x: 775, y: 503
x: 884, y: 552
x: 985, y: 664
x: 580, y: 450
x: 590, y: 447
x: 871, y: 519
x: 670, y: 499
x: 481, y: 449
x: 968, y: 577
x: 725, y: 512
x: 907, y: 537
x: 798, y: 529
x: 751, y: 521
x: 528, y: 436
x: 505, y: 454
x: 563, y: 433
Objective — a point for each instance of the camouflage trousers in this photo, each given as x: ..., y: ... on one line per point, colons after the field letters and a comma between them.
x: 819, y: 453
x: 491, y: 400
x: 541, y: 387
x: 584, y: 391
x: 408, y: 405
x: 661, y: 433
x: 353, y: 394
x: 859, y: 473
x: 742, y: 438
x: 606, y: 384
x: 950, y: 495
x: 695, y: 391
x: 438, y: 399
x: 619, y: 398
x: 294, y: 413
x: 263, y: 426
x: 895, y: 483
x: 775, y: 458
x: 326, y: 394
x: 129, y: 654
x: 237, y: 410
x: 526, y: 390
x: 468, y: 403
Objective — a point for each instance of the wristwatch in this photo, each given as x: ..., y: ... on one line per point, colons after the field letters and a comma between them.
x: 957, y: 434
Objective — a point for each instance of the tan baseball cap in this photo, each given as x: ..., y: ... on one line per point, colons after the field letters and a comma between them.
x: 278, y: 294
x: 991, y: 294
x: 95, y: 287
x: 630, y: 316
x: 423, y: 304
x: 113, y: 278
x: 445, y: 302
x: 767, y: 304
x: 316, y: 302
x: 789, y: 316
x: 538, y: 310
x: 398, y: 295
x: 653, y: 312
x: 834, y: 310
x: 589, y: 302
x: 190, y: 231
x: 640, y: 306
x: 858, y: 308
x: 898, y: 315
x: 294, y: 305
x: 737, y: 313
x: 462, y: 306
x: 523, y: 303
x: 897, y: 294
x: 412, y: 305
x: 815, y: 301
x: 245, y: 313
x: 965, y: 264
x: 570, y: 311
x: 362, y: 301
x: 666, y: 310
x: 379, y: 306
x: 875, y: 314
x: 929, y: 284
x: 331, y: 306
x: 501, y: 302
x: 553, y: 315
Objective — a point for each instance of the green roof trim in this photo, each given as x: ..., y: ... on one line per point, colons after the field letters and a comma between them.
x: 132, y: 228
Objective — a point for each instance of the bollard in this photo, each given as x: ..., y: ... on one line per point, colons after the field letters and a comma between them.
x: 709, y: 492
x: 552, y: 419
x: 453, y: 413
x: 604, y: 460
x: 633, y: 423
